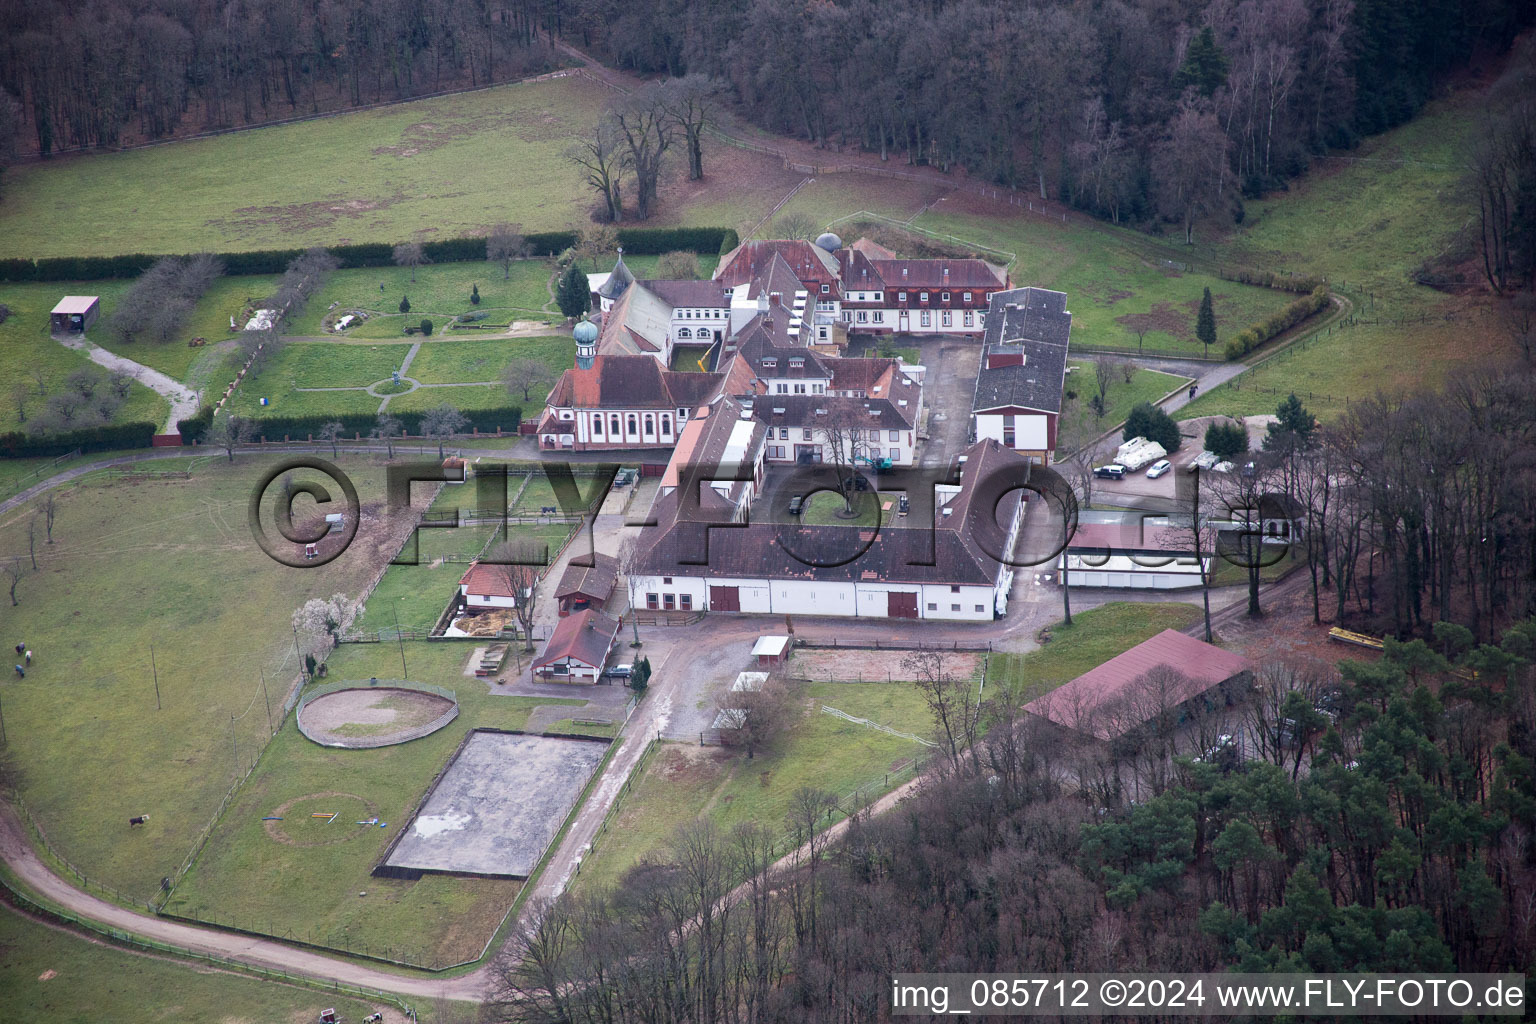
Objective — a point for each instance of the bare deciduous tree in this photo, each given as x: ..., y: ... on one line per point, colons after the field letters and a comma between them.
x: 442, y: 423
x: 603, y: 160
x: 951, y: 700
x: 522, y: 376
x: 410, y: 254
x: 331, y: 433
x: 796, y: 226
x: 689, y: 102
x: 647, y: 131
x: 505, y: 244
x: 519, y: 566
x: 386, y: 428
x: 14, y: 572
x: 230, y: 433
x: 758, y: 717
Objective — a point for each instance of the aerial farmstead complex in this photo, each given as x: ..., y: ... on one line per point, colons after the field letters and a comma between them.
x: 663, y: 514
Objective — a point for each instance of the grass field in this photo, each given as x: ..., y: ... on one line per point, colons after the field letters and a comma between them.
x: 309, y: 886
x: 170, y: 564
x: 1094, y: 637
x: 1108, y: 274
x: 25, y: 348
x: 824, y: 507
x: 1368, y: 220
x: 1121, y: 398
x: 50, y: 975
x: 375, y: 175
x: 681, y: 783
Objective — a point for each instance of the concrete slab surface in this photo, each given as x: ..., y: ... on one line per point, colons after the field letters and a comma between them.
x: 499, y: 805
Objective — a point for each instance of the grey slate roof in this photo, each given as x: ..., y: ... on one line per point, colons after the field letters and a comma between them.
x: 1036, y: 322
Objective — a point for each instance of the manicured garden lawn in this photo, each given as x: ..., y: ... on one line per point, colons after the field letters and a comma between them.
x: 823, y: 508
x: 460, y: 360
x: 441, y: 291
x: 50, y: 975
x: 1094, y: 637
x: 247, y: 877
x: 25, y: 347
x: 317, y: 364
x: 820, y: 751
x: 170, y: 564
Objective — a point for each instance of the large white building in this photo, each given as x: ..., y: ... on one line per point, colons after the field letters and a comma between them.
x: 954, y: 571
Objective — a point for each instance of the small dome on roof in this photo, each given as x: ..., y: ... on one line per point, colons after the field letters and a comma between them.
x: 586, y: 332
x: 829, y: 242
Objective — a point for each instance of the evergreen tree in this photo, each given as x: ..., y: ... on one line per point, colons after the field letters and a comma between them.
x: 405, y: 303
x: 1226, y: 440
x: 574, y: 295
x: 1205, y: 323
x: 1154, y: 424
x: 474, y: 296
x: 1293, y: 428
x: 1204, y: 67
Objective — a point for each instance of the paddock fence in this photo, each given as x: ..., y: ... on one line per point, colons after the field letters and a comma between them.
x: 368, y: 742
x: 55, y: 914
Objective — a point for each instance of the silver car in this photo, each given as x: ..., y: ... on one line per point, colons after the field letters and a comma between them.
x: 1158, y: 468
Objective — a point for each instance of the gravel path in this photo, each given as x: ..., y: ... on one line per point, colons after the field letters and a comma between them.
x: 184, y: 400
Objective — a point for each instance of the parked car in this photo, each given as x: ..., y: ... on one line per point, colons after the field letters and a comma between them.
x: 1158, y: 468
x: 797, y: 504
x: 1110, y: 472
x: 621, y: 671
x: 856, y: 483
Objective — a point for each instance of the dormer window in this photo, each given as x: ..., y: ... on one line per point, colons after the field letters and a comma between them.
x: 770, y: 362
x: 901, y: 296
x: 826, y: 289
x: 923, y: 297
x: 944, y: 297
x: 795, y: 362
x: 967, y: 296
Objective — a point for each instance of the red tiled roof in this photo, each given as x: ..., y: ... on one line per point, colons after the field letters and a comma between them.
x: 584, y: 637
x: 631, y: 382
x: 965, y: 273
x: 486, y: 581
x: 1103, y: 701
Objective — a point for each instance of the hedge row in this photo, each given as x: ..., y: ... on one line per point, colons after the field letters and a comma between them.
x: 642, y: 241
x: 1245, y: 341
x: 91, y: 439
x: 1270, y: 279
x: 297, y: 428
x: 194, y: 428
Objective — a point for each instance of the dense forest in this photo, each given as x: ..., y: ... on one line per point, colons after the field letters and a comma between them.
x: 1123, y: 107
x: 1386, y: 827
x: 105, y: 72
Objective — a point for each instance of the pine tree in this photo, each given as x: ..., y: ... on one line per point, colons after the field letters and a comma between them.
x: 405, y: 304
x: 1204, y: 67
x: 474, y: 296
x: 1205, y: 323
x: 1293, y: 427
x: 574, y: 294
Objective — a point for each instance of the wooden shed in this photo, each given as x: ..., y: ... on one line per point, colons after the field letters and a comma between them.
x: 75, y: 314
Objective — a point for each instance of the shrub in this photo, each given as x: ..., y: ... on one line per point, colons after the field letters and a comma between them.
x: 1281, y: 320
x: 541, y: 244
x: 88, y: 439
x: 276, y: 428
x: 426, y: 327
x: 1226, y: 440
x: 195, y: 427
x: 474, y: 295
x: 1145, y: 420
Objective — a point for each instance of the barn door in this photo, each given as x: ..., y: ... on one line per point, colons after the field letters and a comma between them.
x: 902, y: 606
x: 728, y: 599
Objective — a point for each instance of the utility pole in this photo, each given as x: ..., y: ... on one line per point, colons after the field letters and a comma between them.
x: 234, y: 744
x: 298, y: 654
x: 405, y: 673
x: 264, y: 697
x: 156, y: 672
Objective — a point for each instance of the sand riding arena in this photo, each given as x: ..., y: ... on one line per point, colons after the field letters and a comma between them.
x: 374, y: 713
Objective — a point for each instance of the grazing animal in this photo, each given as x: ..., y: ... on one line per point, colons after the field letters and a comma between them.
x: 137, y: 820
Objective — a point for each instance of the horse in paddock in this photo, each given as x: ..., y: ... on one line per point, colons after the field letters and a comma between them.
x: 137, y: 820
